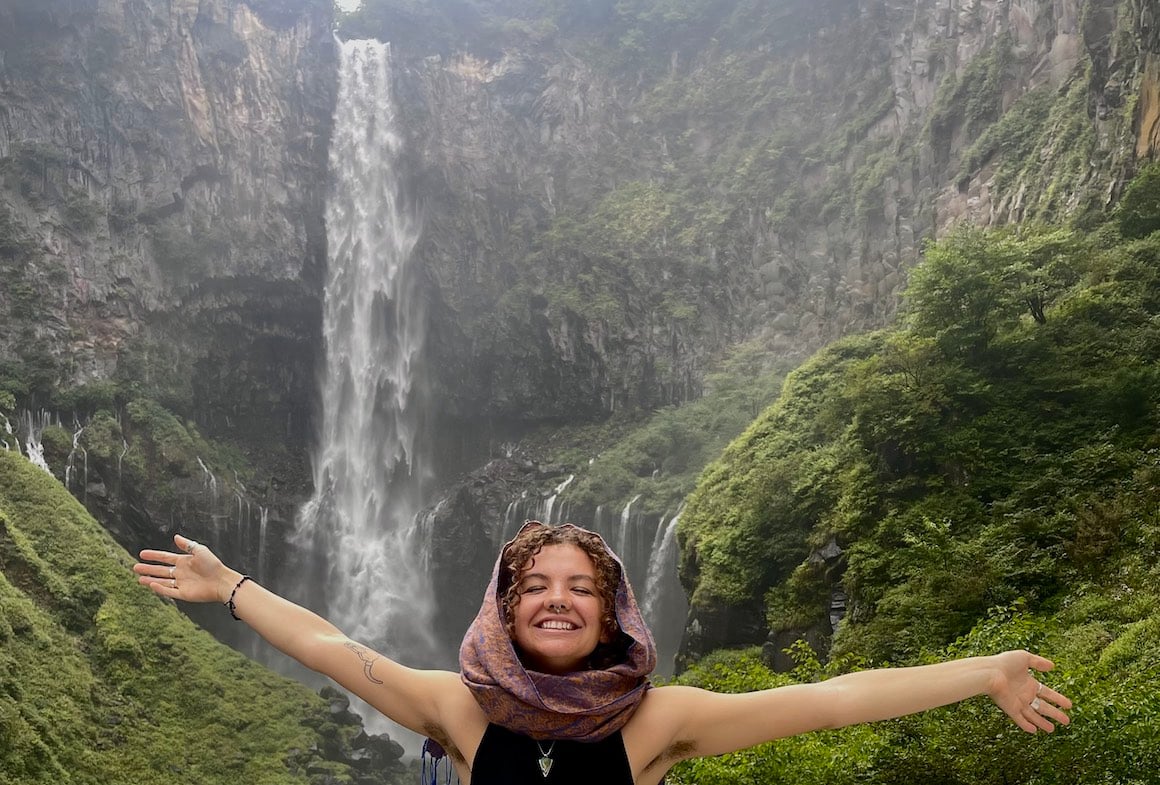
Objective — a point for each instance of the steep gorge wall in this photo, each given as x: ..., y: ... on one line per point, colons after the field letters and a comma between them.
x: 597, y: 230
x: 164, y: 171
x: 162, y: 176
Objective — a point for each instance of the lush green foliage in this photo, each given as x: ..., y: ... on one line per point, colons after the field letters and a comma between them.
x: 994, y: 448
x: 103, y: 683
x: 1138, y: 213
x: 1105, y: 642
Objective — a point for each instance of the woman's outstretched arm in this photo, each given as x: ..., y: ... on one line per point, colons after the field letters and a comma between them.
x: 412, y: 698
x: 712, y: 724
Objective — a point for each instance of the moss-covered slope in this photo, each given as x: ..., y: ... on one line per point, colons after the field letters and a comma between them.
x: 103, y: 683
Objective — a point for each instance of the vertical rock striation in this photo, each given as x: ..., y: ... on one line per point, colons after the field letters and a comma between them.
x: 163, y: 172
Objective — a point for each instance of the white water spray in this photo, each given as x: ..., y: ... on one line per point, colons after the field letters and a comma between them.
x: 664, y: 558
x: 70, y: 463
x: 367, y: 472
x: 32, y: 444
x: 550, y: 504
x: 625, y: 520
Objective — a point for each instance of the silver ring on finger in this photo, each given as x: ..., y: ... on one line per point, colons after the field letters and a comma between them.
x: 1035, y: 704
x: 1039, y: 689
x: 172, y: 572
x: 191, y: 547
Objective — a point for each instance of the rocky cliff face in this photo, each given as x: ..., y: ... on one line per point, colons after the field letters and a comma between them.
x: 866, y: 133
x: 163, y: 175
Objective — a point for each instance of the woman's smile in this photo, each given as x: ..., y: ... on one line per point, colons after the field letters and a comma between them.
x: 553, y: 624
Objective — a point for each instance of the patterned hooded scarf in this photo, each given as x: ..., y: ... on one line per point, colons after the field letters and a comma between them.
x: 586, y: 705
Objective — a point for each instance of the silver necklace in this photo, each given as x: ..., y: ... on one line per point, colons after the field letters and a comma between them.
x: 546, y: 757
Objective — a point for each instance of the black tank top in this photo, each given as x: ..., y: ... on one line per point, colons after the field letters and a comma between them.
x: 507, y: 758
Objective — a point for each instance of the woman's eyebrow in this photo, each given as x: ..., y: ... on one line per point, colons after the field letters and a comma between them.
x: 539, y: 576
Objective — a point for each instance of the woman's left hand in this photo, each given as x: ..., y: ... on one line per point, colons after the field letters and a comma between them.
x: 1016, y: 689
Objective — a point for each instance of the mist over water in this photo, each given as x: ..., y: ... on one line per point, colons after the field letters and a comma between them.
x: 369, y: 468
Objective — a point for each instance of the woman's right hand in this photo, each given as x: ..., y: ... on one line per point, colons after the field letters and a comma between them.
x: 194, y: 575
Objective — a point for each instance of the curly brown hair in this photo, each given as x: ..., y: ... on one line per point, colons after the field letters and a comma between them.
x: 520, y: 553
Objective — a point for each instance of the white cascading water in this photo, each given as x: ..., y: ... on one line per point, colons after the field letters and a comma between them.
x: 367, y: 471
x: 664, y: 555
x: 32, y: 444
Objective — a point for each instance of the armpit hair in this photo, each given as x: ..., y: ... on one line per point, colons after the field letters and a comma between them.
x: 437, y: 733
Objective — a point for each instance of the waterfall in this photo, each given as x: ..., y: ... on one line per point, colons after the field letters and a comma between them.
x: 209, y: 481
x: 263, y: 523
x: 550, y: 504
x: 622, y: 539
x: 368, y: 470
x: 664, y: 560
x: 70, y: 463
x: 32, y: 445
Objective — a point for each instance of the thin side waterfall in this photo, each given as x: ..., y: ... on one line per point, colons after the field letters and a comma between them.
x: 368, y: 467
x: 32, y: 444
x: 664, y: 558
x: 622, y: 538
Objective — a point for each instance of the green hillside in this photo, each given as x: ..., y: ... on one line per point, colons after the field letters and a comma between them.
x: 103, y: 683
x: 984, y: 475
x: 989, y: 472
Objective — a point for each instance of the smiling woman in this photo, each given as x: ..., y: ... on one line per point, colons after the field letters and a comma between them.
x: 554, y: 683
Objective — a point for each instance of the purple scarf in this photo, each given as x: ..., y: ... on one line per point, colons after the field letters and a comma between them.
x: 585, y: 705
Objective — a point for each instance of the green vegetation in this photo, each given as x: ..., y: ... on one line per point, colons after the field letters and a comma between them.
x: 102, y: 683
x: 1012, y: 139
x: 1105, y: 642
x: 994, y: 449
x: 972, y: 101
x: 1138, y: 213
x: 1055, y: 157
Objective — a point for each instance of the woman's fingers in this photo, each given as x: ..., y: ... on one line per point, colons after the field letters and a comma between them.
x: 1041, y: 710
x: 165, y: 587
x: 1058, y: 698
x: 165, y: 557
x: 1040, y: 713
x: 1040, y: 663
x: 156, y: 570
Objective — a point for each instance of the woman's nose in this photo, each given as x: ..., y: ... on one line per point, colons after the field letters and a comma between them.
x: 557, y: 601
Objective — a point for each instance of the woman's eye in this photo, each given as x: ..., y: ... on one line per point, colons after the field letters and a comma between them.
x: 581, y: 590
x: 532, y: 589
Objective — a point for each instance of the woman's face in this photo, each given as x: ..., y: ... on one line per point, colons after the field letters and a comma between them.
x: 557, y: 621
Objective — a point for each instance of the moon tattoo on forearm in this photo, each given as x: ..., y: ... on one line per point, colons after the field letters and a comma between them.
x: 368, y: 662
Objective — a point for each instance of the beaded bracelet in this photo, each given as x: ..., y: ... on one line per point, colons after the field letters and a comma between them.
x: 230, y: 602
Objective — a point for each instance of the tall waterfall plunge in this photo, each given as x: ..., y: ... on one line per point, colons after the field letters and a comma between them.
x: 369, y: 467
